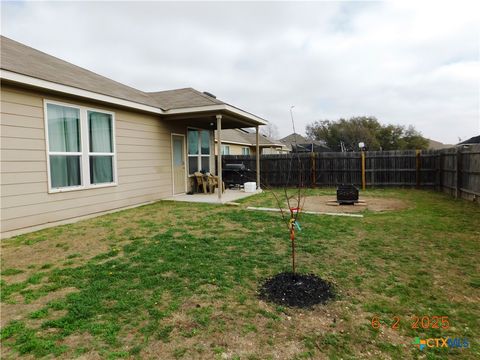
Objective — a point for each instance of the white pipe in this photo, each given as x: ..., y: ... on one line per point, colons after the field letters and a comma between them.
x: 305, y: 212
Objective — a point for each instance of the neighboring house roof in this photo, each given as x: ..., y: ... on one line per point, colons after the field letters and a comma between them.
x: 21, y: 63
x: 293, y: 138
x: 296, y: 140
x: 437, y: 145
x: 242, y: 137
x: 473, y: 140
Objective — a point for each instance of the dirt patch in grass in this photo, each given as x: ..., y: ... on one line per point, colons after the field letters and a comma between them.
x: 82, y: 340
x: 51, y: 251
x: 18, y: 311
x: 254, y: 330
x: 324, y: 204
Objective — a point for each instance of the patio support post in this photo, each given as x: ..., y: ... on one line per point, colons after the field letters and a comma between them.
x: 219, y: 156
x: 258, y: 157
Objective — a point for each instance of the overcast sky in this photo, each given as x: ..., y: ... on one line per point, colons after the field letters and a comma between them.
x: 405, y: 63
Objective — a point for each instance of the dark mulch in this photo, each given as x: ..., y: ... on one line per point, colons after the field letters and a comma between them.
x: 296, y: 290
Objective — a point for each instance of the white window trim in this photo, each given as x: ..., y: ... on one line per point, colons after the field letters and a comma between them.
x: 199, y: 155
x: 225, y: 147
x: 85, y: 146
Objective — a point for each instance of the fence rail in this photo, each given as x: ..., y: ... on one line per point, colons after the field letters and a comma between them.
x: 454, y: 170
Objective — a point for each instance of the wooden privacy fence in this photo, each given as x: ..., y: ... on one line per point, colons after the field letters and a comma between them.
x: 454, y: 170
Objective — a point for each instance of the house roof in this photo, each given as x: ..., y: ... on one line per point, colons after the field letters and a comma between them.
x: 472, y: 140
x: 293, y: 138
x: 25, y: 60
x: 437, y: 145
x: 17, y: 58
x: 182, y: 98
x: 242, y: 137
x: 264, y: 140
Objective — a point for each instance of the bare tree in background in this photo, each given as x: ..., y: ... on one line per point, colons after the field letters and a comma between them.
x: 270, y: 130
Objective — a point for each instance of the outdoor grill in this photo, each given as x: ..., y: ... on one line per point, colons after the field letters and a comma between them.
x: 234, y: 175
x: 347, y: 194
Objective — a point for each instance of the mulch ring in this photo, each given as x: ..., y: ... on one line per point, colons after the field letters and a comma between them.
x: 296, y: 290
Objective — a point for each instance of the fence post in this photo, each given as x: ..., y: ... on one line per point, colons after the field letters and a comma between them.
x: 417, y: 168
x: 363, y: 171
x: 438, y: 175
x: 314, y: 174
x: 458, y: 173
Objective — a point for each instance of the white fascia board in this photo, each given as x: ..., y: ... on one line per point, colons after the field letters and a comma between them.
x: 246, y: 114
x: 219, y: 107
x: 247, y: 144
x: 234, y: 142
x: 44, y: 84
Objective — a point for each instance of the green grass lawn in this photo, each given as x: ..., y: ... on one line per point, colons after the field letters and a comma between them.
x: 179, y: 280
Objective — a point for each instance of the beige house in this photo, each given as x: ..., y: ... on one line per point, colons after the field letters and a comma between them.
x: 243, y: 142
x: 75, y: 144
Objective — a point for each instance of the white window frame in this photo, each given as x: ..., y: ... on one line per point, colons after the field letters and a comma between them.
x: 199, y: 155
x: 225, y: 147
x: 247, y: 152
x: 85, y: 147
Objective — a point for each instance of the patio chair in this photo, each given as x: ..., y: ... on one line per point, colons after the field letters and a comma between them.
x: 213, y: 183
x: 202, y: 181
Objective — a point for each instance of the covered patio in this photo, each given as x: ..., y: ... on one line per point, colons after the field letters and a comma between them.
x: 216, y: 118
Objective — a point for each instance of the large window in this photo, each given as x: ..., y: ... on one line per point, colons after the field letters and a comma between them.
x: 80, y: 147
x: 101, y: 147
x: 65, y: 149
x: 198, y: 150
x: 245, y: 151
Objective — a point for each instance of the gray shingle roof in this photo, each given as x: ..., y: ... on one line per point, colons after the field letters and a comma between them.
x: 182, y: 98
x: 293, y: 138
x: 243, y: 137
x: 472, y: 140
x: 263, y: 140
x: 25, y: 60
x: 22, y: 59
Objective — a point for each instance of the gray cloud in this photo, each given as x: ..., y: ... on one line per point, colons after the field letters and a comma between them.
x: 405, y: 63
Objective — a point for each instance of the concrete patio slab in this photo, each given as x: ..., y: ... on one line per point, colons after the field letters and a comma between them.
x: 228, y: 196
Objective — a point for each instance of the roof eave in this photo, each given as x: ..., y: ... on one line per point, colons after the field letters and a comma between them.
x: 249, y: 119
x: 70, y: 90
x: 226, y: 109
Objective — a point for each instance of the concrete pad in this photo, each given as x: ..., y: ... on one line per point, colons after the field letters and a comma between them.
x: 227, y: 197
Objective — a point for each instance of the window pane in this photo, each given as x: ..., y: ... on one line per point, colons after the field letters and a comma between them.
x: 63, y: 128
x: 64, y: 171
x: 206, y: 163
x: 178, y: 151
x: 100, y: 132
x: 192, y: 164
x: 192, y: 142
x: 225, y: 150
x: 205, y: 142
x: 101, y: 170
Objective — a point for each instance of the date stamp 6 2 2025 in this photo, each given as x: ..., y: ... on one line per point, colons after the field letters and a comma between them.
x: 416, y: 322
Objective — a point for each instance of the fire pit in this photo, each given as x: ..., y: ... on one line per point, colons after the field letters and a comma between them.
x: 347, y: 194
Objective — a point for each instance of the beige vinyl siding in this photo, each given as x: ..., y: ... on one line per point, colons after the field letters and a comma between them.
x: 143, y: 163
x: 236, y: 149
